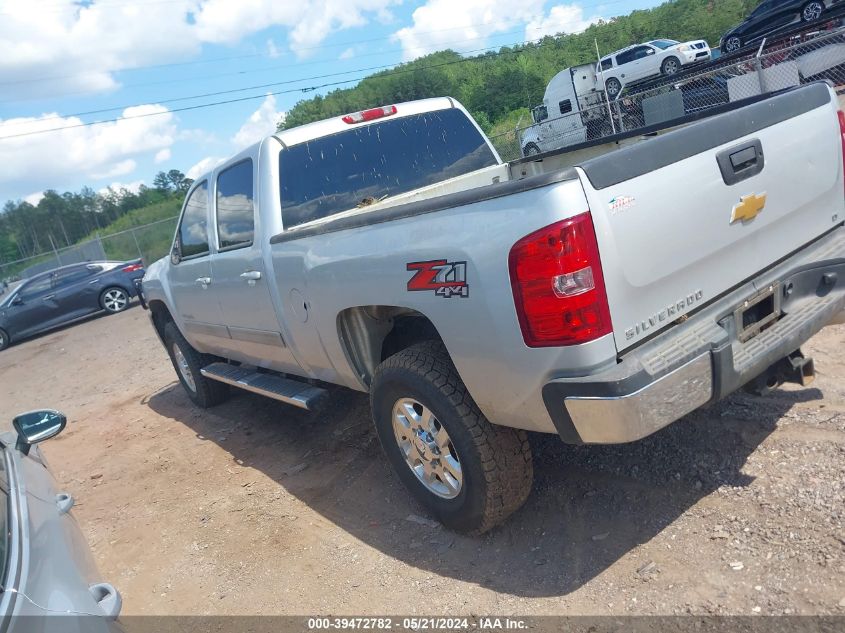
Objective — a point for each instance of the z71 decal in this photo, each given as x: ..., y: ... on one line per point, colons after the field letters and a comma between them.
x: 446, y: 279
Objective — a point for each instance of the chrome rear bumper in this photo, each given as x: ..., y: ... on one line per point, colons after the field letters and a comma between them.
x: 702, y: 360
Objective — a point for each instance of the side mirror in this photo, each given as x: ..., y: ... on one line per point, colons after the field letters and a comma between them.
x: 175, y: 253
x: 16, y: 301
x: 37, y: 426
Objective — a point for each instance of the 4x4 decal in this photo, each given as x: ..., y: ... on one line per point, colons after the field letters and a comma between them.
x: 446, y: 279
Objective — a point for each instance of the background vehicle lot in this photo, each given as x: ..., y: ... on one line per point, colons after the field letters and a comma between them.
x: 255, y: 507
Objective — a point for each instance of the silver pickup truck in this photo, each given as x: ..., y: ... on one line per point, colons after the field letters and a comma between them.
x: 600, y: 292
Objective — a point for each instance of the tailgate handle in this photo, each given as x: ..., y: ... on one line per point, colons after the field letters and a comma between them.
x: 741, y: 161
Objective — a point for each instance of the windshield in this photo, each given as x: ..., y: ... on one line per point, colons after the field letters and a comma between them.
x: 366, y: 164
x: 664, y: 44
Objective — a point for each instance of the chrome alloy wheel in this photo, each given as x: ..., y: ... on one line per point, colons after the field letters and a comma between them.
x: 115, y: 300
x: 427, y: 448
x: 813, y: 11
x: 184, y: 370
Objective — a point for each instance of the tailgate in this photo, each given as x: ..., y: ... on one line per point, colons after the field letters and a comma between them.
x: 674, y: 234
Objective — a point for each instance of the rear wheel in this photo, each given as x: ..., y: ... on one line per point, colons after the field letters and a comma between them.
x: 4, y: 340
x: 812, y: 11
x: 530, y: 149
x: 670, y: 66
x: 467, y: 472
x: 733, y: 43
x: 114, y: 300
x: 188, y: 362
x: 613, y: 87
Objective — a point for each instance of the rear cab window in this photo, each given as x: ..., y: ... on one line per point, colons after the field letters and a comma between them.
x: 235, y: 206
x: 368, y: 163
x: 192, y: 235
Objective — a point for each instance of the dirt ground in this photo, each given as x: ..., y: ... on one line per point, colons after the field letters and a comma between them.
x: 258, y: 508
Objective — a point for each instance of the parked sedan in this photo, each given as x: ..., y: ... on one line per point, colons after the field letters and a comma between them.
x: 643, y: 61
x: 772, y: 17
x: 65, y: 294
x: 46, y: 567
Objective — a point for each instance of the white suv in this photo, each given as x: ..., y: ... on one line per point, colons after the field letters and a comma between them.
x: 642, y: 61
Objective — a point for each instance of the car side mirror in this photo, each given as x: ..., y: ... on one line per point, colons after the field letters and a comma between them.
x: 17, y: 300
x: 36, y: 426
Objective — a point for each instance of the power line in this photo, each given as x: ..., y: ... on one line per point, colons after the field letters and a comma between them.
x: 261, y: 96
x: 253, y: 55
x: 268, y: 85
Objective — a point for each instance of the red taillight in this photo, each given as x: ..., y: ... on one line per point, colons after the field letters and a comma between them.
x: 842, y: 134
x: 369, y: 115
x: 558, y: 287
x: 131, y: 268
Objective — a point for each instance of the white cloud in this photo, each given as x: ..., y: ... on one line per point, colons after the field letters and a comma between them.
x: 77, y: 46
x: 205, y: 165
x: 310, y: 23
x: 472, y: 21
x: 272, y: 50
x: 99, y: 151
x: 349, y: 53
x: 34, y: 198
x: 119, y: 169
x: 562, y: 18
x: 56, y: 47
x: 162, y: 155
x: 260, y: 123
x: 117, y: 187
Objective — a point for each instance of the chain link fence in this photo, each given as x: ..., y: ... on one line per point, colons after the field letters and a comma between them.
x: 148, y: 242
x: 801, y: 59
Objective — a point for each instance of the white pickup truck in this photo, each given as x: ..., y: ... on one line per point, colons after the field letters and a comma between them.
x: 598, y: 294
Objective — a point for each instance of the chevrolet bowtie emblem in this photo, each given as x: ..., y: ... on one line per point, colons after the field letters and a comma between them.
x: 748, y: 208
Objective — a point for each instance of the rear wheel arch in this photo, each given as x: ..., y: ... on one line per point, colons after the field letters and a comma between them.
x: 370, y: 334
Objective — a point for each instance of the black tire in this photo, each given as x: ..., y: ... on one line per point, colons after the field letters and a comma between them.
x: 812, y: 11
x: 613, y: 87
x: 670, y: 66
x: 114, y: 299
x: 495, y: 461
x: 530, y: 149
x: 4, y: 340
x: 732, y: 44
x: 204, y: 393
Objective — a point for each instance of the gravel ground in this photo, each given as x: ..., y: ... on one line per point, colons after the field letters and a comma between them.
x: 256, y: 507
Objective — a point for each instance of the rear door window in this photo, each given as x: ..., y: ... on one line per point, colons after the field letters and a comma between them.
x: 69, y: 277
x: 235, y: 208
x: 368, y: 163
x: 193, y: 228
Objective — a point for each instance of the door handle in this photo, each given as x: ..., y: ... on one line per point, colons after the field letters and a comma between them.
x: 741, y: 161
x: 49, y: 297
x: 203, y: 281
x: 251, y: 275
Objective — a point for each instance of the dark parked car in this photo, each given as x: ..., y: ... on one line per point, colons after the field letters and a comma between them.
x: 701, y: 93
x: 66, y: 294
x: 770, y: 18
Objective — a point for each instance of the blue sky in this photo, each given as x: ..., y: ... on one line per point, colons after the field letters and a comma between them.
x: 60, y: 58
